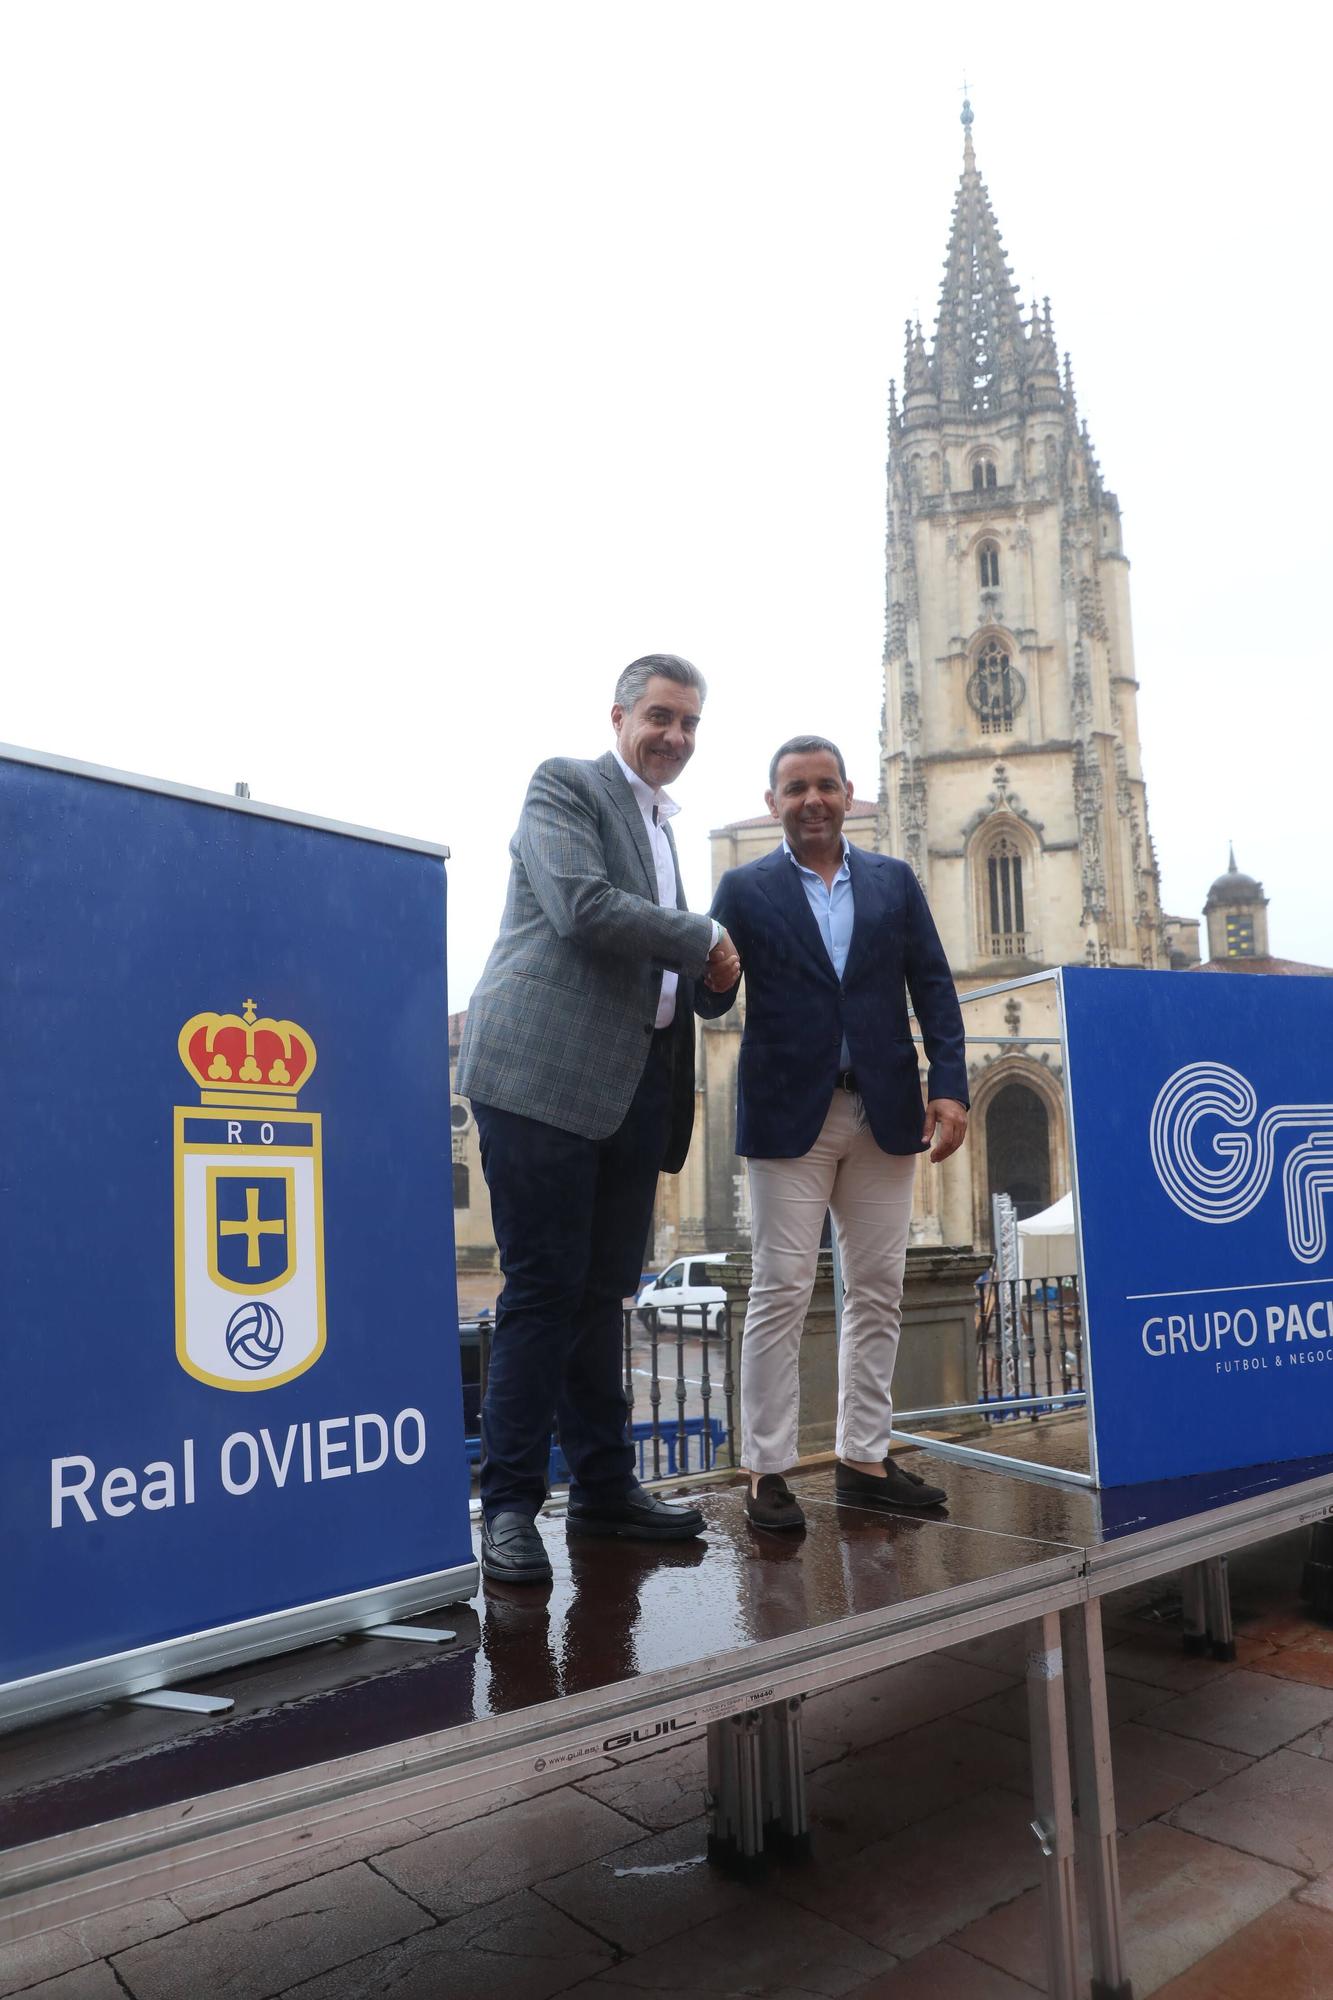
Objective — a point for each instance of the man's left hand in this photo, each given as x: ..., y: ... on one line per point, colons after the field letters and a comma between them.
x: 946, y: 1124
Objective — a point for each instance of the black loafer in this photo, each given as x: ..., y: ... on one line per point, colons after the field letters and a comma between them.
x: 773, y: 1504
x: 898, y: 1487
x: 633, y: 1516
x: 512, y: 1551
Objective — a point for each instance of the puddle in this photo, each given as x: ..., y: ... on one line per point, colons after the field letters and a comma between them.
x: 664, y: 1867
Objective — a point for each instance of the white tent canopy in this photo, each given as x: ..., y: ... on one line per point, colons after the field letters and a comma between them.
x: 1046, y: 1247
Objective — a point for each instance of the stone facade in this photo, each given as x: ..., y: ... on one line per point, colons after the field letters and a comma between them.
x: 1010, y: 774
x: 474, y: 1236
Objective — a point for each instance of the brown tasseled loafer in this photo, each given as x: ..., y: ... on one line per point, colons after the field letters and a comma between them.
x: 898, y: 1488
x: 774, y: 1505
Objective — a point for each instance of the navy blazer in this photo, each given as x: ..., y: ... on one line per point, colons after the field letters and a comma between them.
x: 797, y: 1010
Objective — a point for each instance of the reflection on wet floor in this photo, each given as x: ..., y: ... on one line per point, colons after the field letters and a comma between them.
x: 615, y: 1610
x: 618, y: 1609
x: 1088, y: 1518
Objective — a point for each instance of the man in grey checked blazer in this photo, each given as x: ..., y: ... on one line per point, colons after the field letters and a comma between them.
x: 578, y: 1056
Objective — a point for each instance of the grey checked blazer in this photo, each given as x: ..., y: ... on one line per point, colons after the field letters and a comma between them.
x: 560, y: 1026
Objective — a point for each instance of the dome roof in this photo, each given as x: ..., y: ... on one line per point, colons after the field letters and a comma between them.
x: 1233, y: 887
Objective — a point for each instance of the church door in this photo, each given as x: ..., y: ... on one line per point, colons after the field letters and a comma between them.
x: 1018, y: 1150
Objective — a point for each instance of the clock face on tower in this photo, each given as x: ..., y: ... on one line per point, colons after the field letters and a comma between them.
x: 995, y: 689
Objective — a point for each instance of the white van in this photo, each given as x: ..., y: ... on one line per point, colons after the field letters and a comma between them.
x: 684, y: 1284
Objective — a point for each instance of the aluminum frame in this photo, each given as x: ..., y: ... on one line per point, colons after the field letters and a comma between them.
x: 85, y: 1684
x: 1137, y: 1558
x: 1017, y: 1468
x: 1053, y: 1800
x: 1195, y: 1541
x: 978, y: 1454
x: 1096, y: 1833
x: 106, y: 774
x: 96, y: 1868
x: 1085, y: 1340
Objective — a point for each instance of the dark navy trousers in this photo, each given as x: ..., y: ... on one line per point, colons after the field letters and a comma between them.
x: 571, y: 1218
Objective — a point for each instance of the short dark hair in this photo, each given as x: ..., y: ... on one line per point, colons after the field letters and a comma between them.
x: 798, y: 746
x: 634, y: 681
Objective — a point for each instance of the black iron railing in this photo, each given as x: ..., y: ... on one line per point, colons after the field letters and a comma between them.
x: 672, y: 1362
x: 680, y: 1384
x: 1029, y: 1340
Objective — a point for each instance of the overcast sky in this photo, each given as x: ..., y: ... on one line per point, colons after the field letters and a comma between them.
x: 378, y: 380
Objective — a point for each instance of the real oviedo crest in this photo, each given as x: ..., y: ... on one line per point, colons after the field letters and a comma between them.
x: 249, y: 1205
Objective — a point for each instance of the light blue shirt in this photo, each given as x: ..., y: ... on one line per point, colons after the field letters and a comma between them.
x: 832, y: 909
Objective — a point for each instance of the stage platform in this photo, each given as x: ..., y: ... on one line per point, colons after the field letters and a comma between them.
x: 634, y: 1645
x: 1125, y: 1532
x: 628, y: 1638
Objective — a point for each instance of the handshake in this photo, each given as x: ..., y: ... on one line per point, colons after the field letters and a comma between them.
x: 724, y: 966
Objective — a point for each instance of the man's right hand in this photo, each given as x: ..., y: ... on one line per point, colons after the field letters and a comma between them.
x: 724, y: 966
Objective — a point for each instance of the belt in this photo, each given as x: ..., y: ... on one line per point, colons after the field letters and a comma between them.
x: 846, y: 1080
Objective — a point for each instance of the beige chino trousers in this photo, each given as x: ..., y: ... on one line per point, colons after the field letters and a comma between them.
x: 870, y: 1194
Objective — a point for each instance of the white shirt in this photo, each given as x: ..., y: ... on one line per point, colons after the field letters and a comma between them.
x: 832, y: 909
x: 830, y: 905
x: 658, y: 807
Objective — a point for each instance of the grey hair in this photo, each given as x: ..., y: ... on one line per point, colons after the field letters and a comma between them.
x: 633, y: 683
x: 800, y: 746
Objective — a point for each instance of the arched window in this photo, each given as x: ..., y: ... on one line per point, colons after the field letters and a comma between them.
x: 993, y: 690
x: 462, y: 1186
x: 988, y: 565
x: 1002, y: 899
x: 1018, y: 1148
x: 983, y: 474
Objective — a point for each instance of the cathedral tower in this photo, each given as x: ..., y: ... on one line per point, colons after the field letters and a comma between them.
x: 1011, y: 778
x: 1236, y: 913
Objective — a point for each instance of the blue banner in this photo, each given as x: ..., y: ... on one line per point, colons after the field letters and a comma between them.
x: 231, y: 1363
x: 1203, y: 1133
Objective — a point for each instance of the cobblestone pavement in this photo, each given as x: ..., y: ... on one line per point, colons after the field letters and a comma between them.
x: 922, y: 1885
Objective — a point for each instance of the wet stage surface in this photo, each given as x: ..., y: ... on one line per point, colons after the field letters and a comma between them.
x: 1098, y: 1520
x: 615, y: 1611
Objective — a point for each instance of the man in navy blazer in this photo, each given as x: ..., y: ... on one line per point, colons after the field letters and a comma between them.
x: 833, y: 940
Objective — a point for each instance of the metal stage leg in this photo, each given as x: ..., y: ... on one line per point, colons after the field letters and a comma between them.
x: 1217, y: 1587
x: 1094, y: 1824
x: 1194, y: 1609
x: 786, y: 1822
x: 1054, y: 1824
x: 736, y: 1793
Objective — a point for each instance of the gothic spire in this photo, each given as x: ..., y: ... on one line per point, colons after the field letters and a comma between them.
x: 979, y: 332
